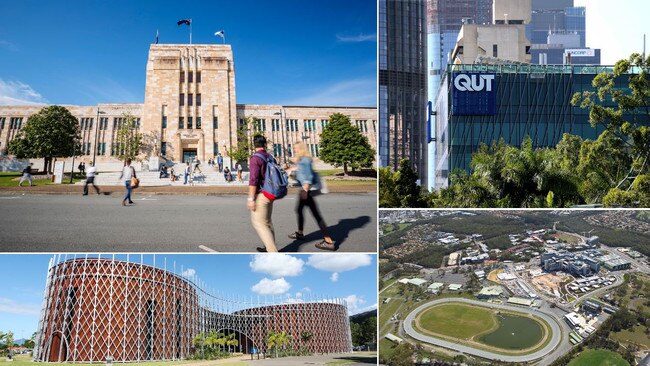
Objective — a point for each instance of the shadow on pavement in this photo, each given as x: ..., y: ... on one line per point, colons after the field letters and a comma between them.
x: 339, y: 233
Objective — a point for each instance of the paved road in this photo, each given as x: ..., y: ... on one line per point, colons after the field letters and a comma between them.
x: 355, y: 359
x: 169, y: 223
x: 555, y: 332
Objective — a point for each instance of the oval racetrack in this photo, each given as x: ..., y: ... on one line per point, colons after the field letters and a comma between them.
x: 552, y: 322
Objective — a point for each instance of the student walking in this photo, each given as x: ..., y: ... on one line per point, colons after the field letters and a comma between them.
x: 27, y: 175
x: 188, y: 170
x: 220, y: 162
x: 90, y: 179
x: 82, y: 168
x: 128, y: 172
x: 240, y: 172
x: 310, y: 182
x: 260, y: 206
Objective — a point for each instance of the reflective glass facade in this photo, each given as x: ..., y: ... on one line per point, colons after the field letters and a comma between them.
x: 444, y: 20
x: 531, y: 100
x: 402, y: 84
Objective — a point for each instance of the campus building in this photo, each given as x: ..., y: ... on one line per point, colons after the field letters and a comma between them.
x: 403, y: 84
x: 484, y: 103
x: 190, y: 111
x: 94, y: 309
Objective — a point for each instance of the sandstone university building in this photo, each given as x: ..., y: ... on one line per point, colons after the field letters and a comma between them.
x: 190, y: 111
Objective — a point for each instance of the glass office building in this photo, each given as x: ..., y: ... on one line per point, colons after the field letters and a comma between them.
x: 402, y: 84
x: 486, y: 103
x: 444, y: 21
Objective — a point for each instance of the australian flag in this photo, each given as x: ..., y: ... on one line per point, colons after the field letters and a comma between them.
x: 184, y: 21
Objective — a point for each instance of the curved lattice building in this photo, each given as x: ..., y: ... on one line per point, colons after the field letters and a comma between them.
x: 96, y: 308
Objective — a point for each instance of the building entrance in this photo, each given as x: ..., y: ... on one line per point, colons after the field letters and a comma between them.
x: 189, y: 155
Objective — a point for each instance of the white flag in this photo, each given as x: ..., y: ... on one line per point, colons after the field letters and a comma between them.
x: 220, y: 33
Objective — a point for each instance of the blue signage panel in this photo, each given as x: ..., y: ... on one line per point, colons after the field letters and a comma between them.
x: 474, y: 94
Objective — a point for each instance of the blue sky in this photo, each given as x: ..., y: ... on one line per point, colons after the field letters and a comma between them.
x: 617, y: 27
x: 87, y: 52
x: 291, y: 277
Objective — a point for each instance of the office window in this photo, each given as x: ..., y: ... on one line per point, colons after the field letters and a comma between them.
x: 215, y: 148
x: 189, y: 123
x: 137, y: 123
x: 101, y: 148
x: 189, y: 99
x: 103, y: 123
x: 242, y: 122
x: 198, y: 100
x: 164, y: 121
x: 275, y: 125
x: 181, y: 123
x: 182, y: 76
x: 292, y: 125
x: 324, y: 123
x: 289, y: 151
x: 198, y: 122
x: 277, y: 150
x: 2, y: 123
x: 182, y: 99
x: 190, y: 77
x: 317, y: 152
x: 215, y: 122
x: 163, y: 148
x: 374, y: 126
x: 198, y: 76
x: 260, y: 125
x: 495, y: 52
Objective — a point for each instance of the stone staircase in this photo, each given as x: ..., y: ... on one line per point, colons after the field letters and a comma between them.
x: 209, y: 177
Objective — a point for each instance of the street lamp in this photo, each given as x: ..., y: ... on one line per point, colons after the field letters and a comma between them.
x: 96, y: 133
x: 284, y: 149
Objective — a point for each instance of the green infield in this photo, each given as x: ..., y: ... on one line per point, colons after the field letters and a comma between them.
x: 598, y: 357
x: 499, y: 331
x: 457, y: 320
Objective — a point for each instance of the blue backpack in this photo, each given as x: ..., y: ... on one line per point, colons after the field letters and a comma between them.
x: 275, y: 179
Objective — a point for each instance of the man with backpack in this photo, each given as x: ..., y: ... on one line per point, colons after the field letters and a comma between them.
x: 266, y: 183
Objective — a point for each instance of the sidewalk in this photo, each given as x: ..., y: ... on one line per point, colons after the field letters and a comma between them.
x: 63, y: 189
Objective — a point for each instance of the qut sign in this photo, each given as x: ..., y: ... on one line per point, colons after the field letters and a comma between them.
x: 474, y: 94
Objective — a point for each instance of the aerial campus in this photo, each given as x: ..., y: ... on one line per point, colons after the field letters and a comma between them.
x: 501, y: 287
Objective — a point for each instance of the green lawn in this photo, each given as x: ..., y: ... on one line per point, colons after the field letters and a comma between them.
x: 635, y: 335
x: 457, y: 320
x: 26, y: 360
x: 8, y: 179
x: 598, y: 357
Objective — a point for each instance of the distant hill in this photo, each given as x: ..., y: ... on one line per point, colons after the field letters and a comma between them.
x: 361, y: 317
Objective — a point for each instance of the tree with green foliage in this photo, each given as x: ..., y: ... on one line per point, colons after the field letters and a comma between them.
x: 342, y: 144
x: 52, y: 132
x: 245, y: 134
x: 275, y: 340
x: 402, y: 355
x: 128, y: 142
x: 624, y: 113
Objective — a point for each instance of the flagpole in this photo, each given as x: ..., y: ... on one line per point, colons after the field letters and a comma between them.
x: 190, y: 31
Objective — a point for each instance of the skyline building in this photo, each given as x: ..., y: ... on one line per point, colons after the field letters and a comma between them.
x: 444, y: 21
x: 511, y: 102
x: 403, y: 84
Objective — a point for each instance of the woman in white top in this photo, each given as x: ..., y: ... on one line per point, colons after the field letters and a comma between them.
x: 127, y: 173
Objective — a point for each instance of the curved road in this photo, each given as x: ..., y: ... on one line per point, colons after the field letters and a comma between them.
x: 555, y: 332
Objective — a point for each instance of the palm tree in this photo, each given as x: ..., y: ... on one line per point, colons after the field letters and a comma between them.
x: 231, y: 341
x: 306, y: 336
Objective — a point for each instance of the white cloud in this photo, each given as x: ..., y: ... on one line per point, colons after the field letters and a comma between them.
x: 306, y: 289
x: 357, y: 92
x: 356, y: 304
x: 19, y: 93
x: 334, y: 277
x: 357, y: 38
x: 277, y: 265
x: 10, y: 306
x: 271, y: 287
x: 190, y: 272
x: 339, y: 262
